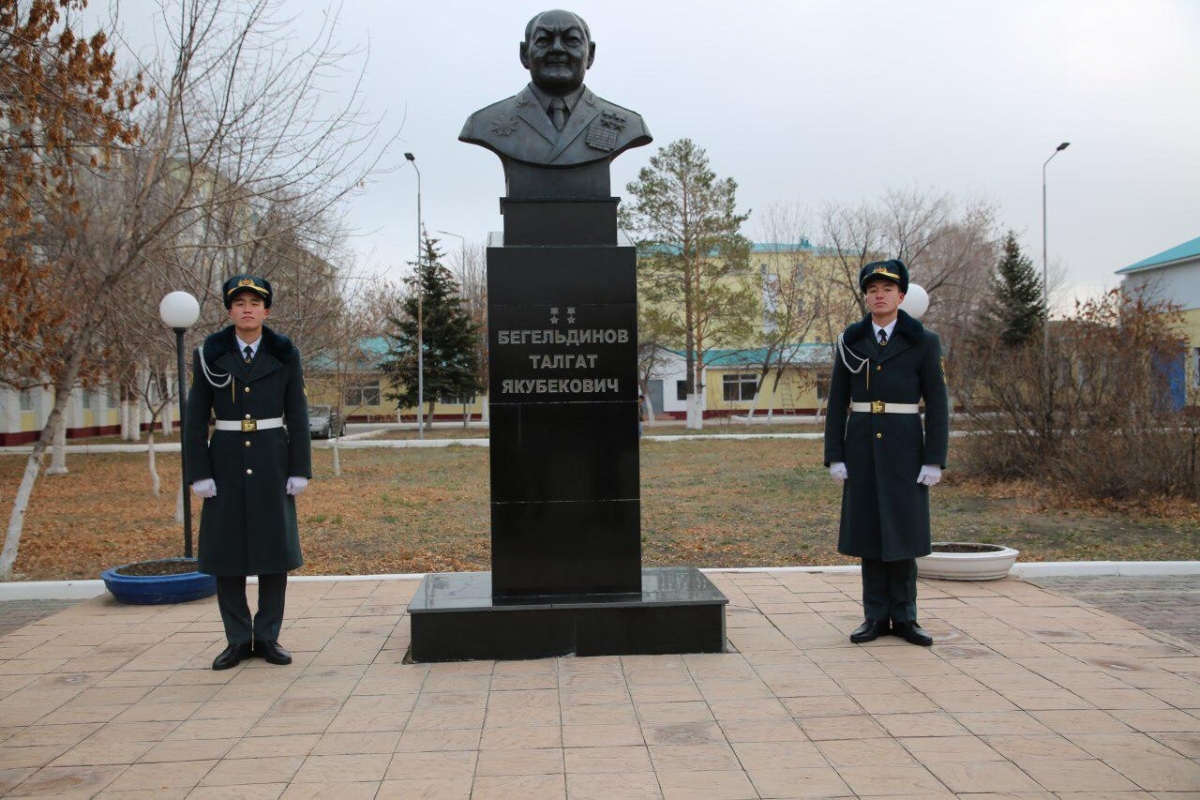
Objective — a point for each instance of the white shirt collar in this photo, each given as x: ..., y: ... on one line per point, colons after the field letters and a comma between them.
x: 891, y: 325
x: 252, y: 345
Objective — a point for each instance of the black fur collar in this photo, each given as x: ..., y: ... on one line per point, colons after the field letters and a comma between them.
x: 224, y: 341
x: 906, y: 326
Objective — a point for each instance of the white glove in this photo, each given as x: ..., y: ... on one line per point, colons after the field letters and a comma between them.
x: 206, y: 488
x: 296, y: 485
x: 930, y: 474
x: 838, y: 470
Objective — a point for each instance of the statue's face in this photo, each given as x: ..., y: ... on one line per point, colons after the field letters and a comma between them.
x: 558, y: 53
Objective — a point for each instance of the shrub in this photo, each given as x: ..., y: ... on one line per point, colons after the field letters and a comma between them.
x: 1093, y: 410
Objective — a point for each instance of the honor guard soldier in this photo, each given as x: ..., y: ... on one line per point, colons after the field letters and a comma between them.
x: 250, y: 378
x: 885, y: 366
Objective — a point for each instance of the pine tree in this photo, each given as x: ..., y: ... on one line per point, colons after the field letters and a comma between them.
x: 451, y: 354
x: 1018, y: 308
x: 688, y: 233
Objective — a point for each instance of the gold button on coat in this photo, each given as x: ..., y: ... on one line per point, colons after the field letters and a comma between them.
x: 249, y: 472
x: 247, y: 443
x: 246, y: 390
x: 877, y: 436
x: 247, y: 416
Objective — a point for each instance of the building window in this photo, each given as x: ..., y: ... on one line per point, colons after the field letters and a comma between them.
x: 456, y: 400
x: 25, y: 399
x: 86, y: 396
x: 823, y: 379
x: 740, y: 386
x: 681, y: 390
x: 366, y: 394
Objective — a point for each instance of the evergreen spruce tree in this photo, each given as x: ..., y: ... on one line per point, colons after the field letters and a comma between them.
x: 451, y: 355
x: 1018, y: 308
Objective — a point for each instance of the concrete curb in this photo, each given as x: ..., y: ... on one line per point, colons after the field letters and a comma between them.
x: 83, y: 590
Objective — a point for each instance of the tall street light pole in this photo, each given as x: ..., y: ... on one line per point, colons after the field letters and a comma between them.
x: 1047, y: 374
x: 180, y: 310
x: 420, y: 312
x: 1045, y: 273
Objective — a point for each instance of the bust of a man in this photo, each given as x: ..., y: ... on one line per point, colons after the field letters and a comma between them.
x: 555, y: 137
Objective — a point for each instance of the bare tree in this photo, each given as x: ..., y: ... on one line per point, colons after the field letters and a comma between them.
x: 239, y: 123
x: 949, y: 248
x: 792, y: 294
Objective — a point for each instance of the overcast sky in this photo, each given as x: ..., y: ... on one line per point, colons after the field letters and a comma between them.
x: 814, y: 101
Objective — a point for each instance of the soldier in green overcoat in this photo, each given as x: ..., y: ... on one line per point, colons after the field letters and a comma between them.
x: 258, y: 459
x: 885, y: 366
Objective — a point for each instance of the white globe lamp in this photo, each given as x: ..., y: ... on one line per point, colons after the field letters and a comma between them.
x: 916, y: 301
x: 179, y: 310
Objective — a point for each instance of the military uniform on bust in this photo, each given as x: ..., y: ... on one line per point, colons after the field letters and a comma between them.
x: 875, y: 443
x: 257, y: 460
x: 555, y: 137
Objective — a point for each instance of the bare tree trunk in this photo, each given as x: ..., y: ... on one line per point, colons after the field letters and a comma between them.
x: 337, y: 456
x: 156, y: 482
x: 179, y: 504
x: 16, y: 520
x: 695, y: 411
x: 58, y: 452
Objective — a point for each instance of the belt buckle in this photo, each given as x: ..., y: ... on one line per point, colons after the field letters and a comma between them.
x: 249, y: 425
x: 876, y: 406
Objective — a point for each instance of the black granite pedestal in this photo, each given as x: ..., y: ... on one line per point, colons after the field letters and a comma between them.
x: 565, y: 492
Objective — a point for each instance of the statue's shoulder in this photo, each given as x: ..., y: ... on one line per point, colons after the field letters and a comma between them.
x: 479, y: 125
x: 630, y: 116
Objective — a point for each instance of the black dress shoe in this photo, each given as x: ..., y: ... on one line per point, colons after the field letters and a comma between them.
x: 869, y: 631
x: 911, y: 632
x: 272, y: 653
x: 232, y: 656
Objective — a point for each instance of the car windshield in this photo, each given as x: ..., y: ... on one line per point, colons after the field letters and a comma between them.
x: 319, y: 411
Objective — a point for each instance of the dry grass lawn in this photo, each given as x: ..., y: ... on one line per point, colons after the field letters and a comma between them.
x: 764, y: 502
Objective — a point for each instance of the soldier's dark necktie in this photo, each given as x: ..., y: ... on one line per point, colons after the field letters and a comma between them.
x: 558, y: 113
x: 249, y: 351
x: 882, y: 337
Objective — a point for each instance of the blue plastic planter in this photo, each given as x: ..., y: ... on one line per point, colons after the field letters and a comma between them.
x: 158, y: 589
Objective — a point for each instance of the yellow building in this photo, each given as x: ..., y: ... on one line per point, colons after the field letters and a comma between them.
x: 362, y: 389
x: 801, y: 309
x: 1174, y: 276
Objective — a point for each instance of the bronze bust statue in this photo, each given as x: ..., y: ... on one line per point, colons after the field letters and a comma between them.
x: 555, y: 137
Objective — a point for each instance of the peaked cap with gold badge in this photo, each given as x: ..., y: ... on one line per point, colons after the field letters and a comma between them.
x: 246, y: 283
x: 892, y: 270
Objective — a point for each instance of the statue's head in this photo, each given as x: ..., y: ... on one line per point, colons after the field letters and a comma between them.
x: 558, y: 50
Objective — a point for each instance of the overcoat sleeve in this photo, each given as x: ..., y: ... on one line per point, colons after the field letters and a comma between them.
x: 835, y: 414
x: 195, y: 425
x: 295, y: 413
x: 937, y: 403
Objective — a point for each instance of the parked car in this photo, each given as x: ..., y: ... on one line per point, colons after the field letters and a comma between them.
x: 324, y: 422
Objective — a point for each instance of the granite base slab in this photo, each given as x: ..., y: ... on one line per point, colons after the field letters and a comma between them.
x: 455, y: 618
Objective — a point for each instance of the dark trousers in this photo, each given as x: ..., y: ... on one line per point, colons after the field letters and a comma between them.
x: 240, y: 628
x: 890, y: 589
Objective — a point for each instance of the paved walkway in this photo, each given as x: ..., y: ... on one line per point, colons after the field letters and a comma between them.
x: 1029, y: 693
x: 1170, y: 604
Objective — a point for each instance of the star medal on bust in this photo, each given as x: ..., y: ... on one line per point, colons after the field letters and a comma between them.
x: 504, y: 125
x: 604, y: 131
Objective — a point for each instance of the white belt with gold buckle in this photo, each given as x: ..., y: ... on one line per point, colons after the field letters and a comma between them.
x: 249, y: 425
x: 880, y: 407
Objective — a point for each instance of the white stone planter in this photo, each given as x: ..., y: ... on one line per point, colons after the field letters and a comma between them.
x: 972, y: 561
